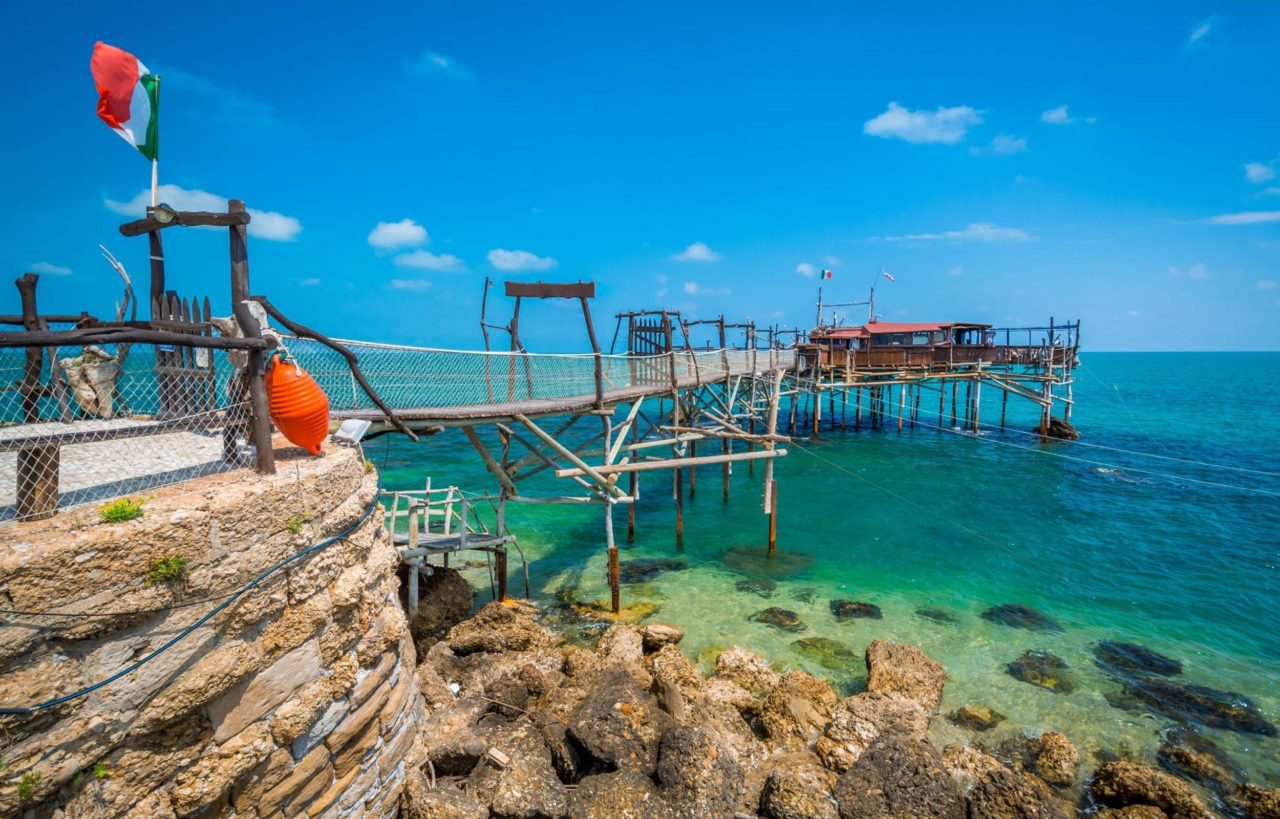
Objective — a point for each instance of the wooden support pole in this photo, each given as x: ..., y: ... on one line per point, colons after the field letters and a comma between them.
x: 693, y: 469
x: 857, y: 410
x: 726, y: 448
x: 770, y: 485
x: 500, y: 568
x: 38, y: 481
x: 955, y: 387
x: 413, y: 567
x: 256, y: 372
x: 679, y: 496
x: 156, y: 249
x: 773, y: 517
x: 977, y: 401
x: 1004, y: 406
x: 615, y: 573
x: 902, y: 403
x: 942, y: 405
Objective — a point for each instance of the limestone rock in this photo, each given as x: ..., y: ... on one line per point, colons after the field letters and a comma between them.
x: 899, y: 776
x: 728, y: 692
x: 1005, y: 794
x: 746, y: 669
x: 625, y: 794
x: 860, y: 720
x: 498, y: 627
x: 976, y: 717
x: 621, y: 643
x: 419, y: 801
x: 796, y: 709
x: 1017, y: 615
x: 453, y: 737
x: 657, y: 635
x: 1055, y: 759
x: 444, y: 600
x: 523, y: 785
x: 797, y: 787
x: 1132, y: 812
x: 1042, y: 669
x: 1121, y: 784
x: 855, y: 610
x: 1193, y: 756
x: 968, y: 765
x: 1257, y: 803
x: 696, y: 774
x: 779, y: 618
x: 906, y: 670
x: 619, y: 724
x: 669, y: 665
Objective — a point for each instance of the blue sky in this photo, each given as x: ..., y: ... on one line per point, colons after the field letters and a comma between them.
x: 1117, y: 163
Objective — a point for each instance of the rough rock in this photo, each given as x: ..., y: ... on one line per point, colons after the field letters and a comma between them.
x: 1005, y: 794
x: 937, y: 615
x: 453, y: 737
x: 524, y: 785
x: 731, y: 732
x: 826, y: 652
x: 1257, y: 803
x: 1227, y: 710
x: 670, y: 667
x: 657, y: 635
x: 797, y: 708
x: 748, y: 670
x: 1132, y: 812
x: 697, y: 775
x: 976, y: 717
x: 1122, y: 784
x: 419, y: 801
x: 728, y: 692
x: 798, y: 787
x: 444, y: 600
x: 858, y: 721
x: 1193, y: 756
x: 1113, y: 655
x: 1054, y: 758
x: 1019, y: 616
x: 619, y: 724
x: 498, y: 627
x: 967, y: 765
x: 621, y: 643
x: 855, y: 610
x: 623, y: 794
x: 779, y: 618
x: 899, y: 776
x: 761, y: 587
x: 906, y: 670
x: 1042, y: 669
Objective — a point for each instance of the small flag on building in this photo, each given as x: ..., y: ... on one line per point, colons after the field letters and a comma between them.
x: 128, y: 97
x: 887, y: 275
x: 826, y: 274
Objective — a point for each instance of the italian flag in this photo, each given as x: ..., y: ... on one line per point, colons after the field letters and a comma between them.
x: 128, y: 97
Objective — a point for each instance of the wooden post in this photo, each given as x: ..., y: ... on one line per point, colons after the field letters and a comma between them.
x: 915, y: 408
x: 615, y: 572
x: 37, y: 484
x: 157, y: 266
x: 412, y: 578
x: 1004, y: 406
x: 902, y: 403
x: 977, y: 401
x: 500, y: 568
x: 261, y: 417
x: 857, y: 411
x: 770, y: 485
x: 693, y: 470
x: 679, y: 495
x: 942, y: 404
x: 725, y: 449
x: 955, y: 387
x: 773, y: 516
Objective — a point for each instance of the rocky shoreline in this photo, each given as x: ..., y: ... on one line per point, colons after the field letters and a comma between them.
x: 523, y: 724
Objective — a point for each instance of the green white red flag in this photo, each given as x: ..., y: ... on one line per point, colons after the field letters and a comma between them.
x: 128, y: 97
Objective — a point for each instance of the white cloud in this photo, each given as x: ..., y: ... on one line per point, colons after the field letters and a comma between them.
x: 1257, y: 173
x: 1267, y: 284
x: 1057, y: 116
x: 696, y: 289
x: 807, y: 270
x: 831, y: 261
x: 519, y: 260
x: 1200, y: 31
x: 945, y: 125
x: 1249, y: 217
x: 1196, y: 271
x: 425, y: 260
x: 697, y: 252
x: 973, y: 232
x: 391, y: 235
x: 410, y: 285
x: 955, y: 271
x: 308, y: 282
x: 263, y: 224
x: 50, y: 269
x: 1002, y: 145
x: 433, y: 63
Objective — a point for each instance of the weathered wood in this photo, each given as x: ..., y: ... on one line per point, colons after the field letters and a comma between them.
x: 673, y: 463
x: 156, y: 251
x: 551, y: 290
x: 31, y: 387
x: 80, y: 338
x: 38, y: 481
x: 500, y: 569
x: 256, y: 371
x: 185, y: 218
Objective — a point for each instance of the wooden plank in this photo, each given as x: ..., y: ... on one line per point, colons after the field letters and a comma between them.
x: 185, y: 218
x: 675, y: 463
x: 551, y: 290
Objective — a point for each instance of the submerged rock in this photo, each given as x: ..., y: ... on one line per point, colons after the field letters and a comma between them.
x: 759, y: 563
x: 899, y: 776
x: 826, y: 652
x: 762, y: 587
x: 1016, y: 615
x: 938, y: 615
x: 1193, y: 756
x: 1257, y: 803
x: 805, y: 595
x: 778, y: 618
x: 638, y: 571
x: 1226, y: 710
x: 902, y: 669
x: 1040, y: 668
x: 854, y: 609
x: 975, y: 717
x: 630, y: 613
x: 1113, y: 655
x: 1125, y: 784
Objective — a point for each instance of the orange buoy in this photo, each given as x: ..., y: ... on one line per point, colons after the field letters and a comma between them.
x: 298, y: 406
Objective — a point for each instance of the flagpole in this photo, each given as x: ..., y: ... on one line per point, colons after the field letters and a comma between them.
x: 155, y: 162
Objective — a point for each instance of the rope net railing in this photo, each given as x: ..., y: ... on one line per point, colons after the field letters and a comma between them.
x: 424, y: 378
x: 112, y: 421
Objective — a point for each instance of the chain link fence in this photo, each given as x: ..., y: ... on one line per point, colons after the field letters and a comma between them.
x: 99, y: 423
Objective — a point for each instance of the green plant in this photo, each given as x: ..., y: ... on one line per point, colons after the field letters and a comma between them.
x: 100, y: 770
x: 167, y: 570
x: 368, y: 467
x: 119, y: 511
x: 27, y: 784
x: 296, y: 523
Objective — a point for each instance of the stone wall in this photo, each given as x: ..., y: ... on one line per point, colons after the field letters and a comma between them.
x: 299, y: 698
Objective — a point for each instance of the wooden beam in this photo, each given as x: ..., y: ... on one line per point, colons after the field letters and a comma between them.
x: 551, y: 290
x: 185, y: 218
x: 674, y: 463
x: 92, y: 335
x: 494, y: 466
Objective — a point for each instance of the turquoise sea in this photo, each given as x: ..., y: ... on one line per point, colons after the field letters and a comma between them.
x: 1178, y: 553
